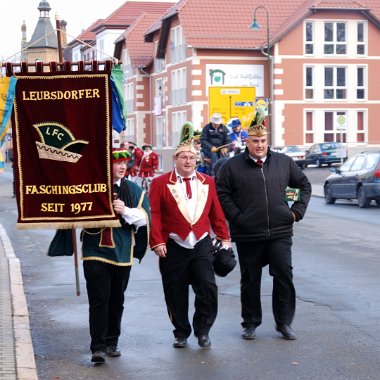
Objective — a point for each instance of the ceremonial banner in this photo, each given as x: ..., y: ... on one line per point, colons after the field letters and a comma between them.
x: 62, y: 157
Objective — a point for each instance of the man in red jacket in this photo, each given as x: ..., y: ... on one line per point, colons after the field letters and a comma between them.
x: 184, y: 246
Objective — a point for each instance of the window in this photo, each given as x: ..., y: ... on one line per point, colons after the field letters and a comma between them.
x: 333, y: 130
x: 178, y: 119
x: 360, y: 133
x: 309, y: 128
x: 179, y: 86
x: 309, y: 83
x: 177, y: 45
x: 127, y: 67
x: 159, y: 63
x: 159, y: 133
x: 335, y: 38
x: 130, y: 130
x: 335, y: 83
x: 309, y: 37
x: 360, y: 47
x: 129, y: 97
x: 158, y: 97
x: 100, y: 48
x: 358, y: 164
x: 360, y: 89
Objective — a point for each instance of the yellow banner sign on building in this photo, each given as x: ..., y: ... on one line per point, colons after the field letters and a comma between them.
x: 233, y: 101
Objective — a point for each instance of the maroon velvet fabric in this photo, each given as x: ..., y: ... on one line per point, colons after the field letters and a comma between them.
x: 62, y: 134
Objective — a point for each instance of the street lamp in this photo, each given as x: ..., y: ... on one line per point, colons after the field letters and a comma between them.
x: 256, y: 26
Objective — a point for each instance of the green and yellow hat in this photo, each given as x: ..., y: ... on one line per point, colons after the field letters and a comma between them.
x: 257, y: 126
x: 119, y: 155
x: 186, y: 142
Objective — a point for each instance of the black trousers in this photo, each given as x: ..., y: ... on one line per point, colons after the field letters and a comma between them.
x: 106, y: 285
x: 253, y: 256
x: 183, y: 267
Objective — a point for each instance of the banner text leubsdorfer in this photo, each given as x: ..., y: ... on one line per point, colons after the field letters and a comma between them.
x: 84, y: 93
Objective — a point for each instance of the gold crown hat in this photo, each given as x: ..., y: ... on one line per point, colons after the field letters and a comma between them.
x: 257, y: 126
x: 186, y: 141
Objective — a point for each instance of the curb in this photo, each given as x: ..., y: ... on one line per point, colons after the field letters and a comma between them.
x: 25, y: 363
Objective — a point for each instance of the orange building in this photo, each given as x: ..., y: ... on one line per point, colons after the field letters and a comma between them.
x: 323, y: 55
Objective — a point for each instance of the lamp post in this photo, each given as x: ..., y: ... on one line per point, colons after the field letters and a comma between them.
x: 256, y: 26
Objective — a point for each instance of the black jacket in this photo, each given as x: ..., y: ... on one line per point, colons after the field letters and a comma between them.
x: 217, y: 137
x: 253, y: 199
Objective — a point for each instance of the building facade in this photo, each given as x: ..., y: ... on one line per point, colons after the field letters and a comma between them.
x: 319, y: 82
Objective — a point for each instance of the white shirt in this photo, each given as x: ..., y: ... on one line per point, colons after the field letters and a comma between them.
x: 256, y: 159
x: 191, y: 204
x: 134, y: 215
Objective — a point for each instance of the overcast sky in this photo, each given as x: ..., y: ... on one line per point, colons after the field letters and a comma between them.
x: 79, y: 15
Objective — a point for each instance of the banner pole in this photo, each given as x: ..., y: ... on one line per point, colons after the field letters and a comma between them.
x: 74, y: 235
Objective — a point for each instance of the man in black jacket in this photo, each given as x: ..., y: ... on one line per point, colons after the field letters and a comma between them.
x: 252, y: 190
x: 215, y: 140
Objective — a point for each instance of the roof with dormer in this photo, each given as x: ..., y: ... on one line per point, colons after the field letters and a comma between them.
x: 87, y: 35
x: 140, y: 53
x: 217, y: 24
x: 127, y: 13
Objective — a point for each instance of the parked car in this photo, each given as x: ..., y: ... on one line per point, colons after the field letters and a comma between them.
x: 358, y: 178
x: 326, y: 153
x: 295, y: 152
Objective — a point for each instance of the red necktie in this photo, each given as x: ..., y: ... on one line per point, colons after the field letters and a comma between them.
x: 260, y: 163
x: 188, y: 187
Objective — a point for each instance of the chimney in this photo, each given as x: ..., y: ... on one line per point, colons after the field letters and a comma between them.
x: 63, y: 35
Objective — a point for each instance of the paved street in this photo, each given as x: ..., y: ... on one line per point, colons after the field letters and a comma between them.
x: 336, y: 320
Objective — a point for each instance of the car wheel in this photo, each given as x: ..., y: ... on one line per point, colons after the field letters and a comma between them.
x: 328, y: 198
x: 318, y: 163
x: 363, y: 201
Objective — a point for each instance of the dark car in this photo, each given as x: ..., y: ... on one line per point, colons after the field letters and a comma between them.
x: 326, y: 153
x: 358, y: 178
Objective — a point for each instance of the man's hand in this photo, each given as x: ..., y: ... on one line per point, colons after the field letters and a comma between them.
x: 160, y: 250
x: 224, y: 152
x: 119, y: 206
x: 214, y: 149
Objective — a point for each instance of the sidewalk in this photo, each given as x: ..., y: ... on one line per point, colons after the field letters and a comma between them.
x: 16, y: 351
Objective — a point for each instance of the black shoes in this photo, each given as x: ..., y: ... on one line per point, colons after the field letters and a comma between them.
x: 113, y: 351
x: 286, y: 331
x: 180, y: 342
x: 98, y: 357
x: 249, y: 333
x: 204, y: 341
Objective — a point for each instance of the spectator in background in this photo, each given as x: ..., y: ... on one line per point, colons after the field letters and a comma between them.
x: 238, y: 136
x: 215, y: 140
x: 149, y: 162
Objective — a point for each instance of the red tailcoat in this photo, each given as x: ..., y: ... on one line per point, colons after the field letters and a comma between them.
x: 137, y: 155
x: 148, y: 165
x: 169, y: 212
